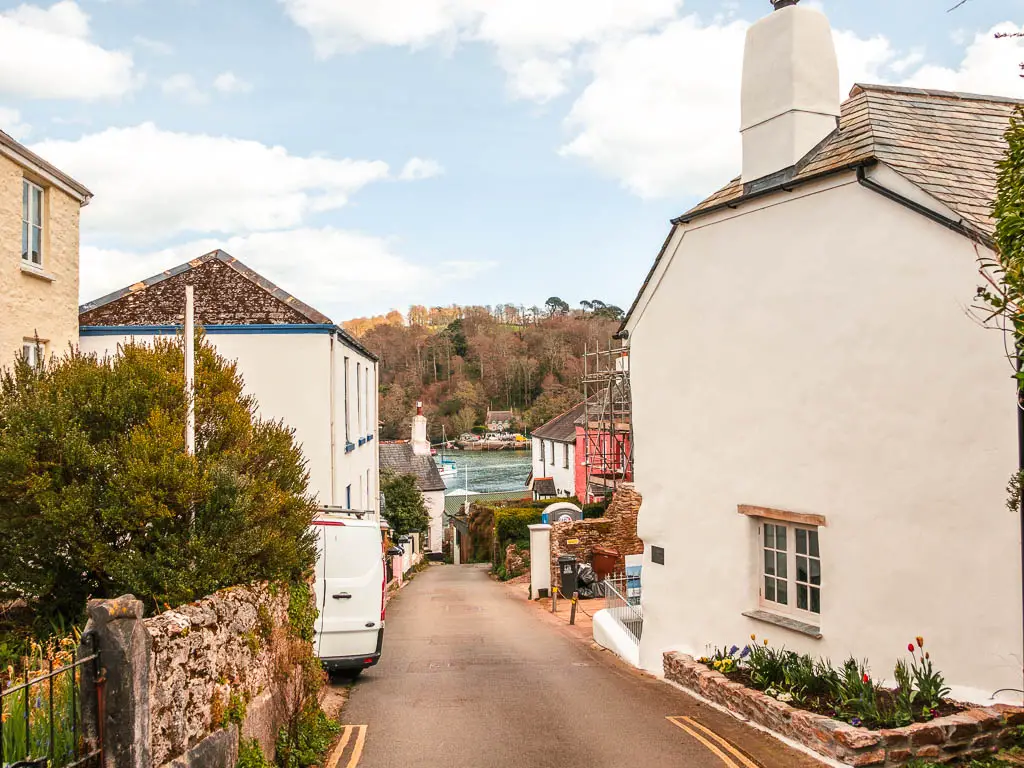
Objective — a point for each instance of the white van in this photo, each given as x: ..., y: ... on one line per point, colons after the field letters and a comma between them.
x: 349, y: 590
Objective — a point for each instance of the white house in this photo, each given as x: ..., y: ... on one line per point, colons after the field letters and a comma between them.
x: 413, y: 458
x: 553, y: 448
x: 300, y: 366
x: 842, y: 429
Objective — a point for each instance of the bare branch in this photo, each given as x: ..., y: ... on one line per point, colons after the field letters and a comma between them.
x: 962, y: 2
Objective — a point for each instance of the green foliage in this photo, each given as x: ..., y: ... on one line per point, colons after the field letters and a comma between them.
x: 405, y: 509
x: 512, y: 525
x: 594, y: 511
x: 96, y: 490
x: 235, y: 710
x: 481, y: 533
x: 252, y: 642
x: 250, y: 755
x: 556, y: 306
x: 264, y: 622
x: 302, y: 612
x: 310, y: 741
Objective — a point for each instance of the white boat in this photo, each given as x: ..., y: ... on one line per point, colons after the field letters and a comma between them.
x: 447, y: 467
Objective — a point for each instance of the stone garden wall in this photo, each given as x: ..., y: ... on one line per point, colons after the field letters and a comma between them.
x: 183, y: 687
x: 974, y: 732
x: 213, y: 661
x: 617, y: 530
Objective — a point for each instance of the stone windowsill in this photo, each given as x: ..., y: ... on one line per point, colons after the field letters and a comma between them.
x: 38, y: 273
x: 785, y: 622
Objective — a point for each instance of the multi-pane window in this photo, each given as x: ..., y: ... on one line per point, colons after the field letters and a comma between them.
x: 776, y: 582
x: 565, y: 456
x: 791, y: 568
x: 31, y: 223
x: 808, y: 571
x: 542, y: 458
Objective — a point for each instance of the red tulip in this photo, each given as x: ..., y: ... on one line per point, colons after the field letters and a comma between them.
x: 866, y: 678
x: 910, y: 647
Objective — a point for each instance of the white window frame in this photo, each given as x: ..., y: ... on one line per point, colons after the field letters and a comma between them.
x: 542, y: 459
x: 792, y: 558
x: 348, y: 412
x: 565, y: 456
x: 34, y: 351
x: 28, y: 224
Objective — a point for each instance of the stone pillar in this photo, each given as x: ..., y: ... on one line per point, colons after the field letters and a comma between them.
x: 540, y: 561
x: 116, y: 628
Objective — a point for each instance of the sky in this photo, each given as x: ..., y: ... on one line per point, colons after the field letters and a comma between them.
x: 367, y: 156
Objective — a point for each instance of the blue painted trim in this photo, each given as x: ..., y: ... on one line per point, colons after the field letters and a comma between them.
x: 369, y: 438
x: 362, y: 441
x: 172, y: 330
x: 349, y: 447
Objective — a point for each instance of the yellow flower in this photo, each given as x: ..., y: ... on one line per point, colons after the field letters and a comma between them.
x: 766, y: 641
x: 920, y: 641
x: 753, y: 637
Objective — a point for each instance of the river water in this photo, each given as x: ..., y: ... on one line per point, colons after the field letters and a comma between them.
x: 490, y: 471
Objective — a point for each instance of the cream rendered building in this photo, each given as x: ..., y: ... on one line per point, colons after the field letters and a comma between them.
x: 39, y: 216
x: 832, y: 474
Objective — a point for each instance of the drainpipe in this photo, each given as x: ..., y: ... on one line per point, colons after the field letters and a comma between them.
x: 1020, y: 463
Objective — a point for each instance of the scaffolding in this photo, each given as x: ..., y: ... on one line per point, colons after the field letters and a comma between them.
x: 607, y: 420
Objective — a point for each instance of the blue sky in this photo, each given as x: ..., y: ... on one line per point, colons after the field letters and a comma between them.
x: 367, y: 156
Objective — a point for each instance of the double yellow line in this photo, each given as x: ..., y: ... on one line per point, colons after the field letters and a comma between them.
x: 718, y: 746
x: 357, y: 750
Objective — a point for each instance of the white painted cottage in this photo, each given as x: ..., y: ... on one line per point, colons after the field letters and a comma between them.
x: 553, y: 455
x: 413, y: 458
x: 299, y: 365
x: 842, y: 430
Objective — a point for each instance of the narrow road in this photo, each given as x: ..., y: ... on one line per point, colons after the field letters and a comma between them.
x: 474, y: 677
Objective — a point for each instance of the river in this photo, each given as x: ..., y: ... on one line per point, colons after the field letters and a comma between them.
x: 490, y: 471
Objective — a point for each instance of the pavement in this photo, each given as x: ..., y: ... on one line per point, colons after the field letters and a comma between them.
x: 475, y: 676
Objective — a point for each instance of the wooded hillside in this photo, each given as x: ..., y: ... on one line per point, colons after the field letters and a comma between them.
x: 461, y: 361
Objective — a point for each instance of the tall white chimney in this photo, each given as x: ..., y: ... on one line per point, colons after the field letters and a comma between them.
x: 790, y: 99
x: 420, y: 443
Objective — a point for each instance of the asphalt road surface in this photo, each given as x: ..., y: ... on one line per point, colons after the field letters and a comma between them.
x: 473, y: 676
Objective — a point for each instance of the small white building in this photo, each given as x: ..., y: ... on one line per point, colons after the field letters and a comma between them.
x: 299, y: 365
x: 842, y: 430
x: 553, y: 469
x: 413, y: 458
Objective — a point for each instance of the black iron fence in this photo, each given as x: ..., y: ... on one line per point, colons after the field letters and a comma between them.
x: 41, y: 715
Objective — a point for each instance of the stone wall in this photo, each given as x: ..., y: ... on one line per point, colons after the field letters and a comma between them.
x: 183, y: 687
x: 616, y: 530
x: 222, y: 651
x: 973, y: 733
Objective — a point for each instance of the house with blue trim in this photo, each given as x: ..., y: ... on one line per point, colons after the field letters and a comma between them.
x: 301, y: 367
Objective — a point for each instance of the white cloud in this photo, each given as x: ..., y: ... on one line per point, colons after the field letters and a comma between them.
x: 417, y: 169
x: 65, y: 64
x: 157, y: 47
x: 537, y: 41
x: 341, y: 273
x: 652, y: 118
x: 153, y: 184
x: 989, y: 65
x: 12, y: 125
x: 184, y: 87
x: 229, y: 82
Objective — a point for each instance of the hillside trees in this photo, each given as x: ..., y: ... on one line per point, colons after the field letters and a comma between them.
x: 501, y: 357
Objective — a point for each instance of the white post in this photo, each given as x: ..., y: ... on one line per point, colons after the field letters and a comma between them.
x: 190, y: 371
x: 540, y: 560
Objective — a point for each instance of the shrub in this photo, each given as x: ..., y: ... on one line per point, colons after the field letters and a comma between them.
x: 405, y: 509
x: 309, y: 743
x: 512, y: 526
x: 250, y: 755
x: 97, y: 492
x: 594, y: 511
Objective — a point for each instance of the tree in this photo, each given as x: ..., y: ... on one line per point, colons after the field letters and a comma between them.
x: 97, y: 492
x: 405, y: 509
x: 555, y: 306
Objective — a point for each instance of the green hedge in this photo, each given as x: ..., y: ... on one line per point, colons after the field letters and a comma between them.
x: 593, y: 511
x: 512, y: 526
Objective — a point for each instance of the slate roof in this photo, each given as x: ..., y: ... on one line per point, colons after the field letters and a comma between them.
x: 93, y: 313
x: 493, y: 416
x: 946, y: 143
x: 562, y: 428
x: 399, y: 458
x: 545, y: 486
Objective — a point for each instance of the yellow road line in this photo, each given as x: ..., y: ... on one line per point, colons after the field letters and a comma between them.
x: 338, y: 750
x: 711, y: 747
x: 747, y: 762
x: 357, y: 750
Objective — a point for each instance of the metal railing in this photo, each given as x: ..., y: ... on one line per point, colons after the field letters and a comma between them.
x: 623, y: 604
x: 41, y: 717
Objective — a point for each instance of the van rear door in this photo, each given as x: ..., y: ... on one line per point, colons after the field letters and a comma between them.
x: 351, y: 617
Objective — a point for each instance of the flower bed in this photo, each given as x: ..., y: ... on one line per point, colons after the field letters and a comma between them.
x: 970, y: 732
